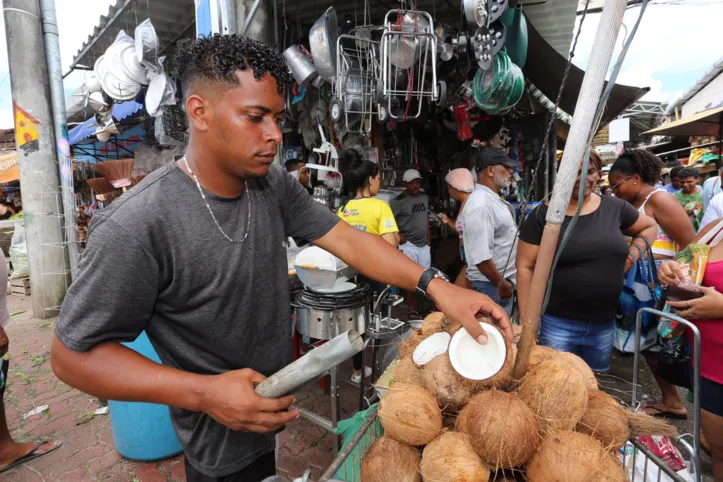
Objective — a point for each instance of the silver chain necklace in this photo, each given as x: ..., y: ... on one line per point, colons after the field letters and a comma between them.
x: 213, y: 216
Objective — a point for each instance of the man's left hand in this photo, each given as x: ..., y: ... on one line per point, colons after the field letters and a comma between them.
x: 463, y: 305
x: 708, y: 307
x: 505, y: 290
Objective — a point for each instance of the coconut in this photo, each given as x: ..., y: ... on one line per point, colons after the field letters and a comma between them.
x: 388, y: 460
x: 556, y: 393
x: 643, y: 424
x: 452, y: 327
x: 567, y: 456
x: 604, y: 420
x: 451, y: 458
x: 407, y: 347
x: 482, y: 366
x: 442, y: 381
x: 409, y: 414
x: 580, y: 366
x: 408, y: 372
x: 502, y: 429
x: 432, y: 346
x: 433, y: 323
x: 538, y: 354
x: 611, y: 470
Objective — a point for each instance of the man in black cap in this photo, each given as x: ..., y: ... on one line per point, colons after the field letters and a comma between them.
x: 490, y: 232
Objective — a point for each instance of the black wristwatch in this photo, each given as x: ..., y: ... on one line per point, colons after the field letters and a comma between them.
x: 427, y: 276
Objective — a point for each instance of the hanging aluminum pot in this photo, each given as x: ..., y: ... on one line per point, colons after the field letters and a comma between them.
x: 301, y: 66
x: 322, y: 40
x: 475, y: 12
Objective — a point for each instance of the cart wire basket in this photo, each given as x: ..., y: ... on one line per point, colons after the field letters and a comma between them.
x: 650, y: 468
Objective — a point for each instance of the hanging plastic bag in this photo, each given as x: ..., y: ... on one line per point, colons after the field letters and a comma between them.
x: 19, y: 253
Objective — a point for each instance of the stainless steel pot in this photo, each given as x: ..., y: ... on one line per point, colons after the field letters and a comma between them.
x: 325, y: 325
x: 302, y: 69
x: 322, y: 40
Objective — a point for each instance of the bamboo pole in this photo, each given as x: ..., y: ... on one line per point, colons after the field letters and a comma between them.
x: 575, y: 149
x: 312, y: 365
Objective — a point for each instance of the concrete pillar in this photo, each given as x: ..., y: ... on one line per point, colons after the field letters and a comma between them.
x: 39, y: 179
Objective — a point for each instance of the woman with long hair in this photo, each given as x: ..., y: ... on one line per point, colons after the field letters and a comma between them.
x: 460, y: 185
x: 586, y: 283
x: 368, y: 214
x: 634, y: 176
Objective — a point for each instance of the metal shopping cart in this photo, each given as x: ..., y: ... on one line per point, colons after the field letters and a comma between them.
x: 348, y: 463
x: 409, y: 56
x: 355, y: 88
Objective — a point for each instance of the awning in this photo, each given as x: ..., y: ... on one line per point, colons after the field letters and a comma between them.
x: 545, y: 68
x: 87, y: 128
x: 706, y: 123
x: 9, y: 167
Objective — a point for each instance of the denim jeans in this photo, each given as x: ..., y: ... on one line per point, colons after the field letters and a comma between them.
x: 593, y: 342
x: 489, y: 289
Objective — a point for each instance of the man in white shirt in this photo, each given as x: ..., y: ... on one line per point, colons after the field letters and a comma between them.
x: 711, y: 188
x: 713, y: 211
x: 490, y: 232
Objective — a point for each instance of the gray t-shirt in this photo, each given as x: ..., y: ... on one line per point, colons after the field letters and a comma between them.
x: 490, y: 232
x: 155, y: 261
x: 410, y: 212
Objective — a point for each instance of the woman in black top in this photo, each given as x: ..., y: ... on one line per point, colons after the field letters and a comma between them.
x: 586, y: 284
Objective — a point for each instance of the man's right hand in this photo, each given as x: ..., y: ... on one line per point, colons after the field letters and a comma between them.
x: 231, y: 400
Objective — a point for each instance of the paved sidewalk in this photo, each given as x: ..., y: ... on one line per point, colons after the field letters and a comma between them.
x: 88, y: 453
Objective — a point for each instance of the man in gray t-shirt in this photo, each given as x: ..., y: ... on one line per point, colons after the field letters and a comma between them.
x: 195, y: 257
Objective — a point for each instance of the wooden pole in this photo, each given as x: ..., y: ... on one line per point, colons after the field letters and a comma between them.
x: 575, y: 150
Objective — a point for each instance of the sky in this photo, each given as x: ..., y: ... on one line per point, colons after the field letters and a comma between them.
x: 674, y: 46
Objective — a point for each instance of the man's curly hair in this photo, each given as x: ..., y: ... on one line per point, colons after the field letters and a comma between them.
x: 641, y: 162
x: 219, y: 57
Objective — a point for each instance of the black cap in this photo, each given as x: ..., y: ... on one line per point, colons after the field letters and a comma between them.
x: 493, y: 156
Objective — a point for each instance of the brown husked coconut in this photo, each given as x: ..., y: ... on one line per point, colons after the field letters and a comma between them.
x: 409, y: 414
x: 643, y: 424
x: 557, y: 394
x: 539, y: 354
x: 604, y: 420
x: 566, y: 456
x: 501, y: 379
x: 433, y: 323
x: 580, y: 365
x: 388, y: 460
x: 408, y: 372
x: 407, y: 347
x: 451, y: 458
x: 502, y: 429
x: 611, y: 470
x: 442, y: 381
x: 452, y: 327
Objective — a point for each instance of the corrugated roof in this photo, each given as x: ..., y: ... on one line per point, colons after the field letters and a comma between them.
x: 714, y: 72
x: 172, y: 19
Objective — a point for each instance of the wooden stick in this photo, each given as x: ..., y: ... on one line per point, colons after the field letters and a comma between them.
x: 575, y: 150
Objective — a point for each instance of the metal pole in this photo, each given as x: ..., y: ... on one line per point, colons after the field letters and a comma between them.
x: 254, y: 19
x: 575, y: 150
x: 65, y: 164
x: 35, y: 138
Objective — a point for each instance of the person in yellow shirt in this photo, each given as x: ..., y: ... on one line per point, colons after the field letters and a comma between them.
x: 368, y: 214
x: 364, y: 212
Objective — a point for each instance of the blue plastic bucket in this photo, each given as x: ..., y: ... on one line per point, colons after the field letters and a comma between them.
x: 143, y: 431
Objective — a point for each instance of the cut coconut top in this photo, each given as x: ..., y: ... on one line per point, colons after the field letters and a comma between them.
x: 474, y: 361
x: 432, y: 346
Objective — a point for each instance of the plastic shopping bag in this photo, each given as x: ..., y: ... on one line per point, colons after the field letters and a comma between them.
x: 640, y: 468
x: 19, y: 253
